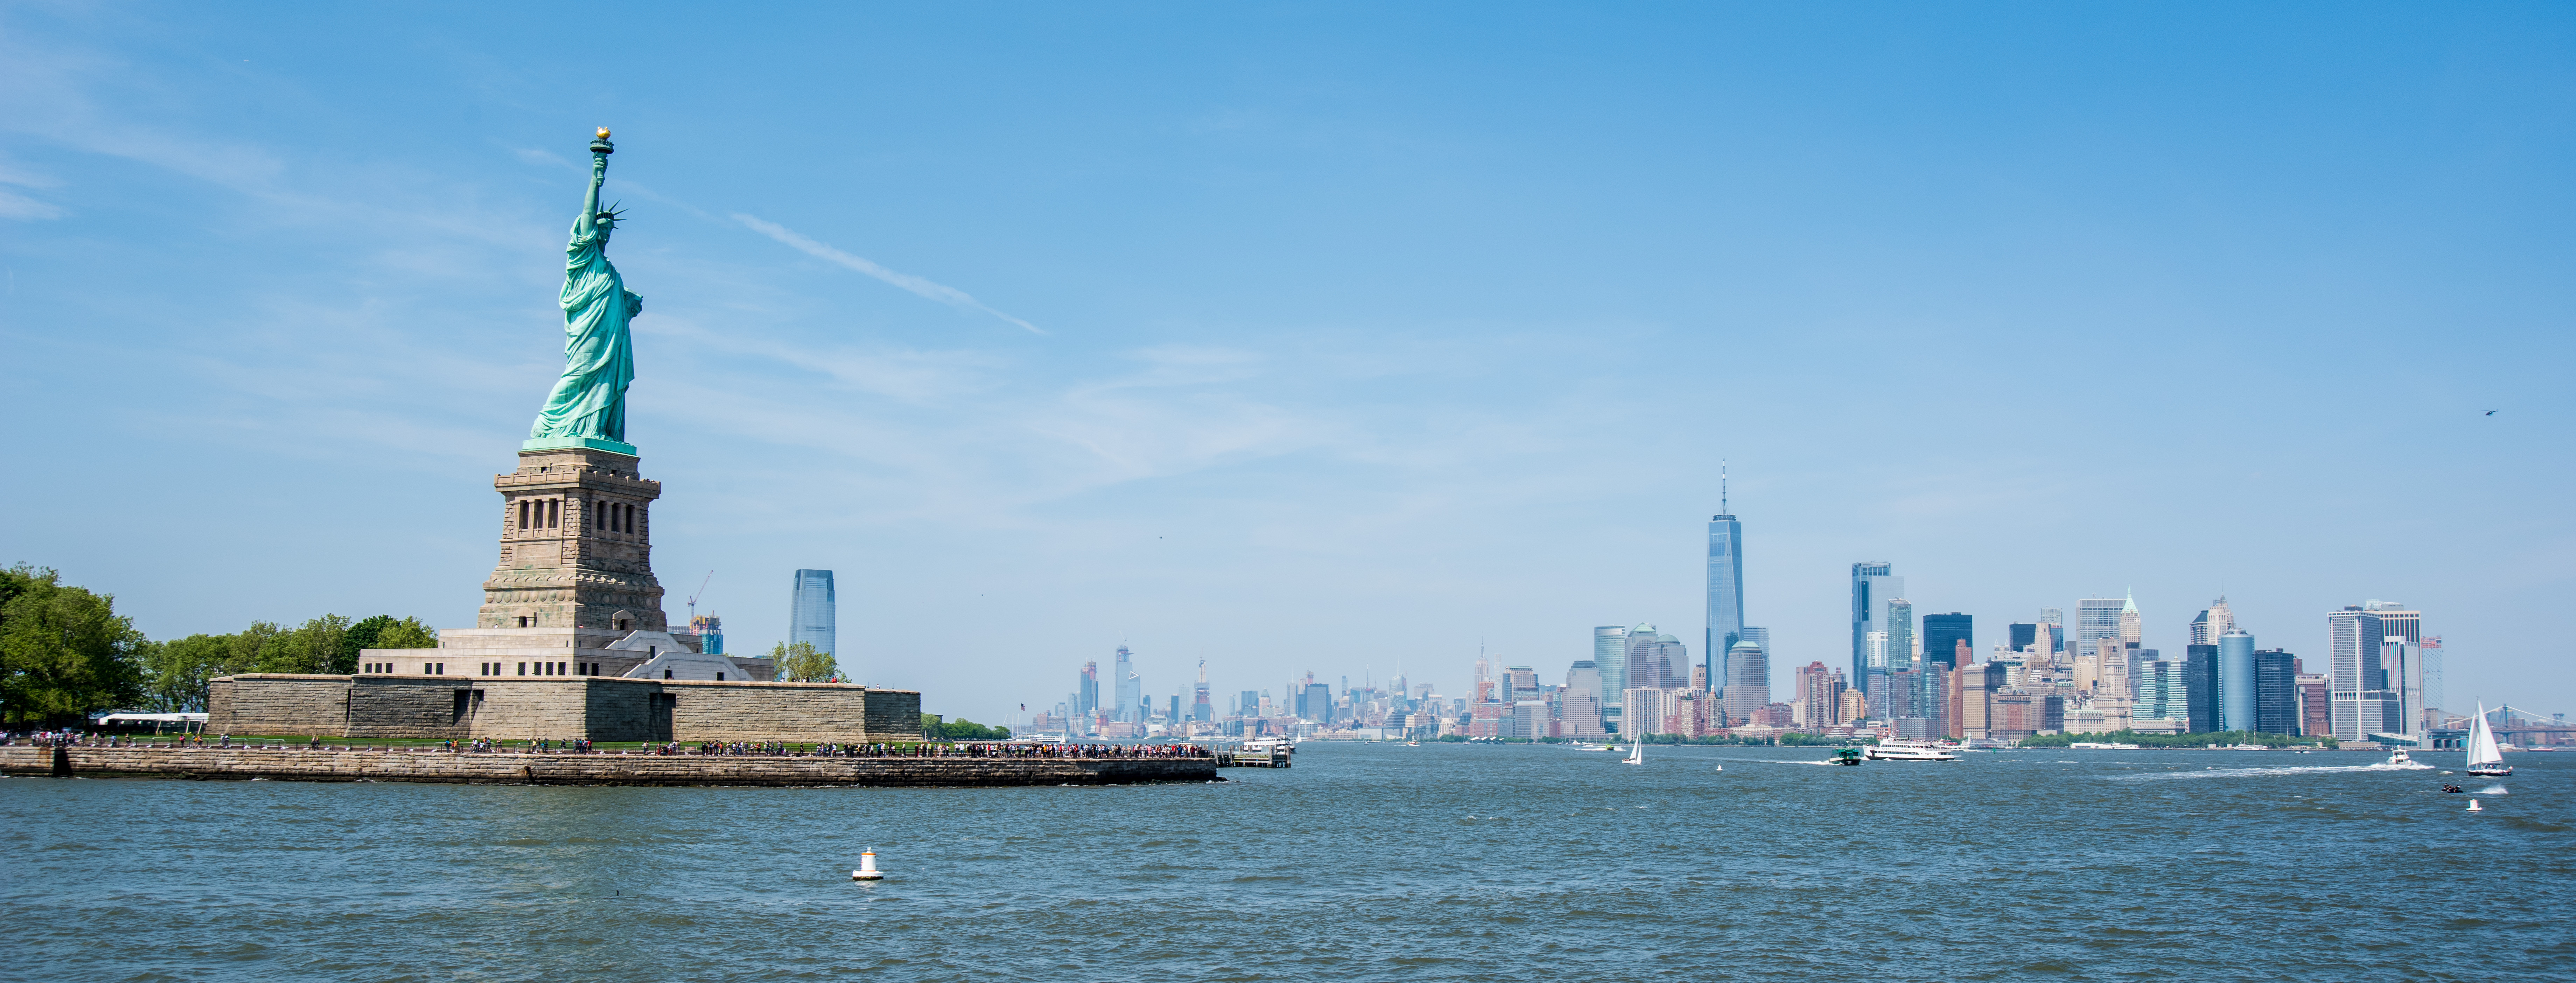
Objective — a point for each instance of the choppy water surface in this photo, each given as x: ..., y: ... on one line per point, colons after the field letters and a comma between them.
x: 1441, y: 862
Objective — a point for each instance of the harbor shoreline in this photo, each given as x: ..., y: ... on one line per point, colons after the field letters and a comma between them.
x: 544, y: 768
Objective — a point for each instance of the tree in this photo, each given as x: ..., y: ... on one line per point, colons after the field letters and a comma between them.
x: 961, y: 729
x: 175, y: 673
x: 801, y: 662
x: 409, y: 633
x: 64, y: 651
x: 311, y: 647
x: 382, y: 632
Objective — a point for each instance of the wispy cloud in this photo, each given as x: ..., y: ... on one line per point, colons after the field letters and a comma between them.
x: 938, y: 292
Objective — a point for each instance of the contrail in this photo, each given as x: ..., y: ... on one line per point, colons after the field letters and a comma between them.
x: 934, y: 291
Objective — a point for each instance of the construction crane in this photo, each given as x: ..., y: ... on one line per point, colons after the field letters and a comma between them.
x: 693, y: 598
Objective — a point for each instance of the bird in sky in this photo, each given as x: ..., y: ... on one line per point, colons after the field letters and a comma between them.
x: 2490, y: 412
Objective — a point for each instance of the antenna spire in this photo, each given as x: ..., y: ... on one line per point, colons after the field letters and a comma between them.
x: 1721, y: 487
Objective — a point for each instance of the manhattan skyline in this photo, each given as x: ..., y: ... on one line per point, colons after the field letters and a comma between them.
x: 1265, y: 342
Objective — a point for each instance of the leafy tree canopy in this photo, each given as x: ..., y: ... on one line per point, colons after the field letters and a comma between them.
x: 64, y: 651
x: 961, y: 729
x: 801, y: 662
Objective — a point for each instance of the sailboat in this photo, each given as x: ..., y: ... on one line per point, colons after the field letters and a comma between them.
x: 2484, y: 759
x: 1636, y: 753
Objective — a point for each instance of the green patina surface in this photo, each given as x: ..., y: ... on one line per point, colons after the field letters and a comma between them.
x: 566, y: 443
x: 589, y: 400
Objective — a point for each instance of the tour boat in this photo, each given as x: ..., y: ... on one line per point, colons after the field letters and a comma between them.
x: 1907, y: 752
x: 1636, y: 753
x: 2484, y: 759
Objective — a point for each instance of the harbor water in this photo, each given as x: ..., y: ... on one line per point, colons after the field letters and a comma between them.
x: 1364, y: 862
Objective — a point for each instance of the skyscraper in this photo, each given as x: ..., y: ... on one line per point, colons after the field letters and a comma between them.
x: 2357, y: 684
x: 2055, y: 618
x: 2238, y: 692
x: 2211, y: 622
x: 1520, y: 683
x: 2402, y: 655
x: 2096, y: 618
x: 2133, y: 630
x: 1725, y: 589
x: 1200, y: 709
x: 1820, y: 696
x: 2019, y: 636
x: 1752, y: 691
x: 2163, y: 697
x: 1942, y: 634
x: 1086, y: 697
x: 1871, y: 588
x: 2200, y: 682
x: 1582, y: 703
x: 2276, y: 691
x: 1130, y: 697
x: 1900, y: 636
x: 1656, y: 661
x: 1757, y: 674
x: 1610, y: 652
x: 813, y: 613
x: 2433, y: 695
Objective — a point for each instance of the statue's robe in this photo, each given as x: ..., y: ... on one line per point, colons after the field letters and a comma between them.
x: 599, y: 357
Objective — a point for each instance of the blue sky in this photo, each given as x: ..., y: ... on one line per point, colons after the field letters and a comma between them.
x: 1329, y: 338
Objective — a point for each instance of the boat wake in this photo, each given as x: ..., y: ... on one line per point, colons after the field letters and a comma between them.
x: 2253, y: 772
x: 2497, y: 789
x: 1777, y: 761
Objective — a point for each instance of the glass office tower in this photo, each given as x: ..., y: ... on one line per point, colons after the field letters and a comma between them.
x: 813, y: 616
x: 2236, y: 682
x: 1942, y: 634
x: 1871, y: 588
x: 1610, y: 653
x: 1130, y: 689
x: 2096, y: 618
x: 1725, y: 597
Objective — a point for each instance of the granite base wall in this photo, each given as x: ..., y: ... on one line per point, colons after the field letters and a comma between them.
x: 317, y: 705
x: 299, y: 764
x: 598, y: 708
x: 730, y: 711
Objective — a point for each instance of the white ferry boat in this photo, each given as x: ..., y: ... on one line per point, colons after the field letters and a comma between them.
x: 2098, y: 746
x: 1907, y: 752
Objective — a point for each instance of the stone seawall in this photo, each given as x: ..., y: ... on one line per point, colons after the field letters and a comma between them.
x: 504, y: 768
x: 600, y: 708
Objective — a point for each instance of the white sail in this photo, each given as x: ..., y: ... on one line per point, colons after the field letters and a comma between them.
x: 1636, y: 753
x: 2482, y: 745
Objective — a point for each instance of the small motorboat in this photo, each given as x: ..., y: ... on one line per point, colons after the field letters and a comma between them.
x: 1846, y: 756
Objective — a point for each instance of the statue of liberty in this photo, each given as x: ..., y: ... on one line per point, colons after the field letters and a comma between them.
x: 588, y: 405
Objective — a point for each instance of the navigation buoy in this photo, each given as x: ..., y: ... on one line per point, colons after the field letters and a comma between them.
x: 2473, y: 806
x: 868, y: 868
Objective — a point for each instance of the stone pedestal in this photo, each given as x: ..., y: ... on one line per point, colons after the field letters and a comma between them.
x: 576, y: 545
x: 574, y: 592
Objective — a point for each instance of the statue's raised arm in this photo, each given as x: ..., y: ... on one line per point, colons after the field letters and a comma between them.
x: 589, y: 220
x: 588, y: 404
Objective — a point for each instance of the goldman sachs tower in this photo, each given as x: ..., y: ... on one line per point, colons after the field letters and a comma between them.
x: 1725, y: 589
